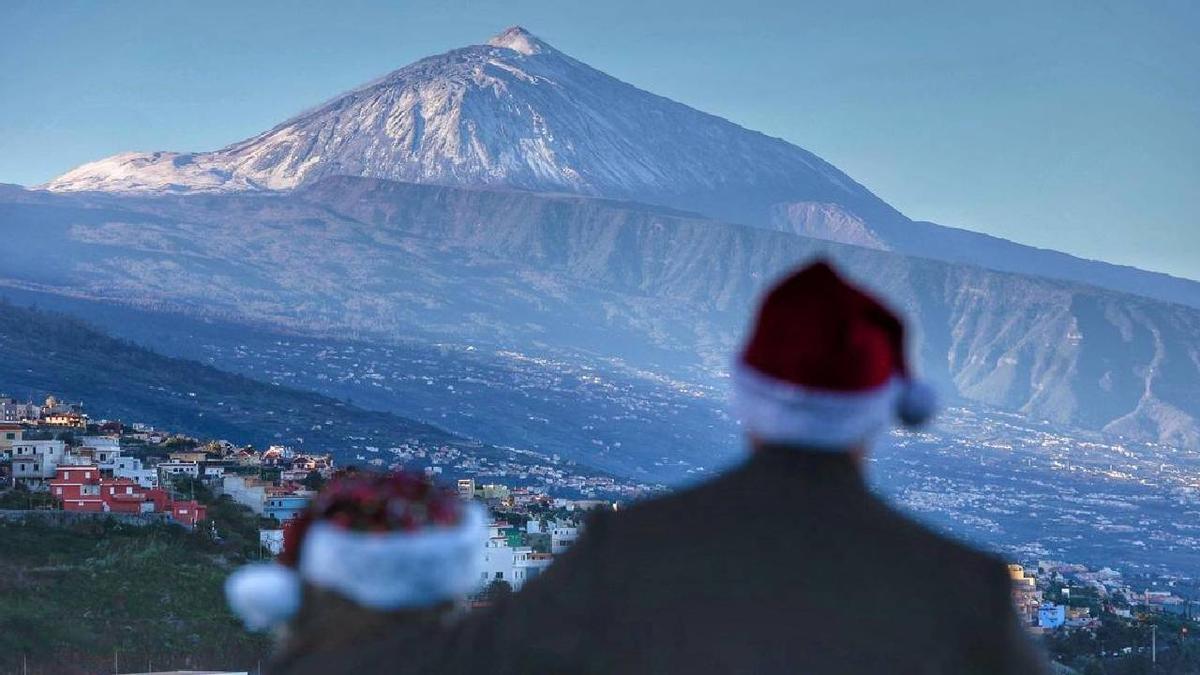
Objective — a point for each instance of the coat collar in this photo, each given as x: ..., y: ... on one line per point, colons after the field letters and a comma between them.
x: 812, y: 470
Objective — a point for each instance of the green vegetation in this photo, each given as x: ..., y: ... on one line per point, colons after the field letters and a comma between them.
x: 540, y: 543
x: 21, y: 499
x: 314, y: 481
x: 74, y: 596
x: 1102, y: 651
x: 496, y: 590
x: 231, y: 529
x: 152, y: 596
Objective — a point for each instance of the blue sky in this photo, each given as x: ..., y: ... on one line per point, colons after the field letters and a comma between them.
x: 1067, y: 125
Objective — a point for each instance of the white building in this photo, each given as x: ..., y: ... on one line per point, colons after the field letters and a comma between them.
x: 249, y: 492
x: 98, y: 442
x: 466, y: 488
x: 172, y: 469
x: 583, y: 504
x: 277, y: 454
x: 35, y: 462
x: 513, y: 564
x: 131, y: 468
x: 562, y: 536
x: 105, y: 450
x: 498, y: 557
x: 13, y: 411
x: 527, y: 564
x: 293, y: 475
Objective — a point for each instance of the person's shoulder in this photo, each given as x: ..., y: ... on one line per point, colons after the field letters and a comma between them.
x: 709, y: 494
x: 679, y: 509
x: 940, y: 554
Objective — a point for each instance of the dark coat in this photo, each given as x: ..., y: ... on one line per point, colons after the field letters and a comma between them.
x: 788, y: 564
x: 327, y: 623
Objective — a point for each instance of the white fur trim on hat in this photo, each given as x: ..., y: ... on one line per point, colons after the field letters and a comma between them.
x: 263, y: 595
x: 390, y: 570
x: 781, y: 412
x: 918, y: 403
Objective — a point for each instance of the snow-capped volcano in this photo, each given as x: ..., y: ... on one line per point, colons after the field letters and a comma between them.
x: 517, y: 113
x: 514, y: 112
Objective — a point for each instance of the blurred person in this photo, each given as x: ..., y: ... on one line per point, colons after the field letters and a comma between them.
x: 373, y: 552
x: 788, y: 563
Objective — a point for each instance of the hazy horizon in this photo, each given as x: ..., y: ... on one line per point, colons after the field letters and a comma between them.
x: 1070, y: 127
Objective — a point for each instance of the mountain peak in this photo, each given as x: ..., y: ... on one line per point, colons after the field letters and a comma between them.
x: 519, y: 40
x: 514, y: 113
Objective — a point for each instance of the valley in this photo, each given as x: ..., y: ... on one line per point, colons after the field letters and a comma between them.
x: 386, y: 262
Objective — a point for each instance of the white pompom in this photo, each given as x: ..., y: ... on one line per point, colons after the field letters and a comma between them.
x: 917, y: 404
x: 263, y: 595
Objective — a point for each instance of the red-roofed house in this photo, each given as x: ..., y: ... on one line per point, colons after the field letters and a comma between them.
x: 188, y: 513
x: 83, y: 489
x: 78, y: 488
x: 122, y: 495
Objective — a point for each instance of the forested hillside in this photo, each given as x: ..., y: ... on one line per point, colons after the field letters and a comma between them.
x: 43, y: 352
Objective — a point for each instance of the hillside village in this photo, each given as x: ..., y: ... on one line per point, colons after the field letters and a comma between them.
x: 57, y: 458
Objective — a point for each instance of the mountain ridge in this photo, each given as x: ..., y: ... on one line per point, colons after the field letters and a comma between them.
x: 662, y: 292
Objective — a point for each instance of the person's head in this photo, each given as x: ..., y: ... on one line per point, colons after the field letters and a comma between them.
x: 825, y: 368
x: 384, y: 542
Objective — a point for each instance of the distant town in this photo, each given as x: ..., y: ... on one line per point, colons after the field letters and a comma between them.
x: 55, y: 457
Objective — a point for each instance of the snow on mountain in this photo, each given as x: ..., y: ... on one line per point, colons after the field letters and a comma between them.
x: 519, y: 40
x: 152, y: 172
x: 512, y: 113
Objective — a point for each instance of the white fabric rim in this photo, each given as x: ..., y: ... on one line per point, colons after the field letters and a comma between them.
x: 391, y: 570
x: 263, y: 595
x: 776, y: 411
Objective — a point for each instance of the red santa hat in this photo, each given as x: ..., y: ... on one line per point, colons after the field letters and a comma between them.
x: 825, y: 366
x: 384, y: 541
